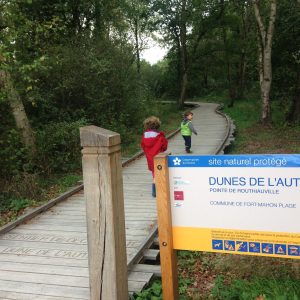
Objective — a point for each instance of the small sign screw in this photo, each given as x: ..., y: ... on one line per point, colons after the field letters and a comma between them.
x: 164, y: 244
x: 159, y: 167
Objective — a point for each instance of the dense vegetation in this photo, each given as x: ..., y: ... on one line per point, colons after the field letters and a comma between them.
x: 66, y: 64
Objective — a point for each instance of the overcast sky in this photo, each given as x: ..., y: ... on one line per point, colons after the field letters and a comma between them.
x: 154, y: 54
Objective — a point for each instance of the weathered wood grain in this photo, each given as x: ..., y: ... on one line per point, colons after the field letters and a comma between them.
x: 168, y: 258
x: 103, y: 189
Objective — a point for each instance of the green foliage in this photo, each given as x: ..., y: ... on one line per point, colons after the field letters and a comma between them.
x: 245, y: 113
x: 269, y: 288
x: 58, y: 147
x: 69, y: 180
x: 18, y: 204
x: 184, y: 283
x: 10, y: 207
x: 154, y: 292
x: 14, y: 155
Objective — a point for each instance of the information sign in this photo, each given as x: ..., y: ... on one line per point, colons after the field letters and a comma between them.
x: 242, y: 204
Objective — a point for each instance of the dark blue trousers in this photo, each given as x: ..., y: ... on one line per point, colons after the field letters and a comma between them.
x: 187, y: 141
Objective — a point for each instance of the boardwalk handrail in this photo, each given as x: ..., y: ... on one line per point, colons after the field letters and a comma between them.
x: 230, y: 128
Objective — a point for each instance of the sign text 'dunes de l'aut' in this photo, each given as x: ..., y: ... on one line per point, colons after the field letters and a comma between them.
x: 243, y: 204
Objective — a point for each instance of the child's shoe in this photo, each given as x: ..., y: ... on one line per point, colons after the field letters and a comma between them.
x: 188, y: 151
x: 153, y: 190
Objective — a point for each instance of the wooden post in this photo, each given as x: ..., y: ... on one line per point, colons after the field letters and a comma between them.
x: 168, y: 259
x: 103, y: 191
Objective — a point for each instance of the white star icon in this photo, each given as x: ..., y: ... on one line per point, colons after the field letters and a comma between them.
x: 176, y: 161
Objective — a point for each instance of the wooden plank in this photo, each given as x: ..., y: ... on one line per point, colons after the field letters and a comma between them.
x: 22, y: 230
x: 58, y: 280
x: 43, y: 260
x: 41, y: 245
x: 151, y: 254
x: 44, y: 269
x: 136, y: 286
x: 140, y: 276
x: 44, y: 237
x: 55, y: 228
x: 57, y: 217
x: 28, y: 296
x: 44, y: 289
x: 60, y: 222
x: 38, y: 210
x: 31, y: 251
x: 155, y: 269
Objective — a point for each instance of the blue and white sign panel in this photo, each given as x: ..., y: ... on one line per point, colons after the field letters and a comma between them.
x: 248, y: 204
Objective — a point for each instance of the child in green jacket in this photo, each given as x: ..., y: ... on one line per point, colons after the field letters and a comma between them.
x: 186, y: 129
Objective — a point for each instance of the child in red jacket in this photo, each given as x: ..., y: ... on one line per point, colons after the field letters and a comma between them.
x: 153, y: 142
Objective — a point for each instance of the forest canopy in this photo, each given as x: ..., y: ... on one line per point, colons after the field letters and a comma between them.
x: 66, y: 64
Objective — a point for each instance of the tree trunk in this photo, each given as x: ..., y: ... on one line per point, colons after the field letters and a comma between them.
x: 265, y: 57
x: 183, y: 49
x: 266, y: 87
x: 99, y: 20
x: 75, y: 23
x: 231, y: 88
x: 244, y: 31
x: 19, y: 113
x: 241, y: 75
x: 137, y: 45
x: 205, y: 79
x: 183, y: 90
x: 178, y: 65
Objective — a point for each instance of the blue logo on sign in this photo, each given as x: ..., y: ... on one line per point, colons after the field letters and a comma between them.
x: 241, y: 246
x: 176, y: 161
x: 217, y: 244
x: 254, y: 247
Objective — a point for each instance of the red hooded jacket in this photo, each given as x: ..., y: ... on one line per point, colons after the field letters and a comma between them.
x: 152, y: 143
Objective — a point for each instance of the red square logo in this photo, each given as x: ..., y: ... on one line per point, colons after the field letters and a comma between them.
x: 178, y: 195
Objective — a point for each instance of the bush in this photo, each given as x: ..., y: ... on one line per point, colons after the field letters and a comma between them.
x: 14, y: 155
x: 58, y: 147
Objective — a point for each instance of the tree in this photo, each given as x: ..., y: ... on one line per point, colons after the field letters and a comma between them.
x: 183, y: 24
x: 137, y: 13
x: 286, y: 59
x: 19, y: 113
x: 264, y: 40
x: 172, y: 18
x: 7, y: 83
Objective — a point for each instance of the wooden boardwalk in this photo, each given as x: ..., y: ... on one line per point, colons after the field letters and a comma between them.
x: 46, y: 258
